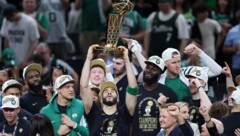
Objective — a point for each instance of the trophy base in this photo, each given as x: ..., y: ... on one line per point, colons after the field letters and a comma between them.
x: 108, y: 50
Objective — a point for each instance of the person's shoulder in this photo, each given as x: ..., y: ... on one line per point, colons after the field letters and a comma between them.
x: 164, y: 87
x: 234, y: 29
x: 45, y: 110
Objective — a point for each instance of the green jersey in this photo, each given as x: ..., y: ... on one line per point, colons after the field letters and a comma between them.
x: 180, y: 88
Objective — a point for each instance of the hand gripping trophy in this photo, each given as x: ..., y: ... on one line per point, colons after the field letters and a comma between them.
x: 114, y: 24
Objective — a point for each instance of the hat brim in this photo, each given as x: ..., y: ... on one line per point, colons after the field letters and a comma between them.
x: 97, y: 62
x: 149, y: 62
x: 13, y: 85
x: 70, y: 81
x: 107, y: 84
x: 36, y: 67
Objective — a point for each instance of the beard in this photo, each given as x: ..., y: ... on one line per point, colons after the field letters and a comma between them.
x: 110, y: 103
x: 35, y: 88
x: 120, y: 72
x: 150, y: 80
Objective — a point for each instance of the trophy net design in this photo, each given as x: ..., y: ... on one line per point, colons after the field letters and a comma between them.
x: 114, y: 25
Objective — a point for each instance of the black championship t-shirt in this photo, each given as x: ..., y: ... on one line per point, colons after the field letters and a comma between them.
x: 230, y: 123
x: 146, y: 116
x: 33, y: 103
x: 101, y: 124
x: 21, y: 128
x: 122, y: 85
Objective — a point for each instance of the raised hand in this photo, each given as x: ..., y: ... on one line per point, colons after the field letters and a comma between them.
x: 174, y: 111
x: 63, y: 130
x: 90, y: 52
x: 192, y: 49
x: 226, y: 70
x: 162, y: 99
x: 67, y: 121
x: 204, y: 112
x: 237, y: 132
x: 195, y: 81
x: 124, y: 51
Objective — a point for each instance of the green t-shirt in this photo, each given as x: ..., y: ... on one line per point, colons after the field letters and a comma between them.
x: 180, y: 89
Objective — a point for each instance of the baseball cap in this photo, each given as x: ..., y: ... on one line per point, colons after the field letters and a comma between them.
x: 107, y: 84
x: 11, y: 83
x: 237, y: 79
x: 62, y: 80
x: 156, y: 61
x: 8, y: 56
x: 10, y: 101
x: 33, y: 66
x: 197, y: 72
x: 170, y: 53
x: 8, y: 9
x: 236, y: 96
x: 98, y: 62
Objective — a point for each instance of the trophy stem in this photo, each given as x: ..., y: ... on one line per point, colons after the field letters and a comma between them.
x: 114, y: 26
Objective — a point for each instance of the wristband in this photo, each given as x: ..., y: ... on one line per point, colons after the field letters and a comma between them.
x: 208, y: 120
x: 132, y: 91
x: 134, y: 46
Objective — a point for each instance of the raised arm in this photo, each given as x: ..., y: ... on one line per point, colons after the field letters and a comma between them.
x: 204, y: 100
x: 227, y: 72
x: 214, y: 68
x: 85, y: 92
x: 132, y: 89
x: 133, y: 46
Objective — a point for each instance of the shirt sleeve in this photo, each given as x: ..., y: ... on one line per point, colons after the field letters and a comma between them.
x: 4, y: 29
x: 183, y: 29
x: 150, y: 21
x: 213, y: 68
x: 217, y: 27
x: 33, y: 30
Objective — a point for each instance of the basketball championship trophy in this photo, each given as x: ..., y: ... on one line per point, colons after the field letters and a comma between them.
x: 114, y: 25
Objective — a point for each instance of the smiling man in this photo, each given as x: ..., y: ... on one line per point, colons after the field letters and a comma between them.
x: 13, y: 125
x: 109, y: 119
x: 35, y: 98
x: 65, y: 111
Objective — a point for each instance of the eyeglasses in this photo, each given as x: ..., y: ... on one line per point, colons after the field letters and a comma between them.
x: 8, y: 109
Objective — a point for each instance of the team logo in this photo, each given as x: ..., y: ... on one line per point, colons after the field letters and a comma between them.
x: 158, y: 61
x: 110, y: 126
x: 20, y: 130
x: 148, y: 108
x: 13, y: 102
x: 74, y: 115
x: 198, y: 73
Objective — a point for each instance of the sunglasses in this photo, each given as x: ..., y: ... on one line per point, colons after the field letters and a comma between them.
x: 8, y: 109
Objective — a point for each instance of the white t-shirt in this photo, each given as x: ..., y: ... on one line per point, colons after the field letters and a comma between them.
x: 55, y: 12
x: 181, y: 23
x: 20, y: 34
x: 208, y: 28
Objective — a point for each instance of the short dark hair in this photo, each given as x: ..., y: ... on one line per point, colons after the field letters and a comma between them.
x: 9, y: 9
x: 199, y: 7
x: 219, y: 110
x: 59, y: 67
